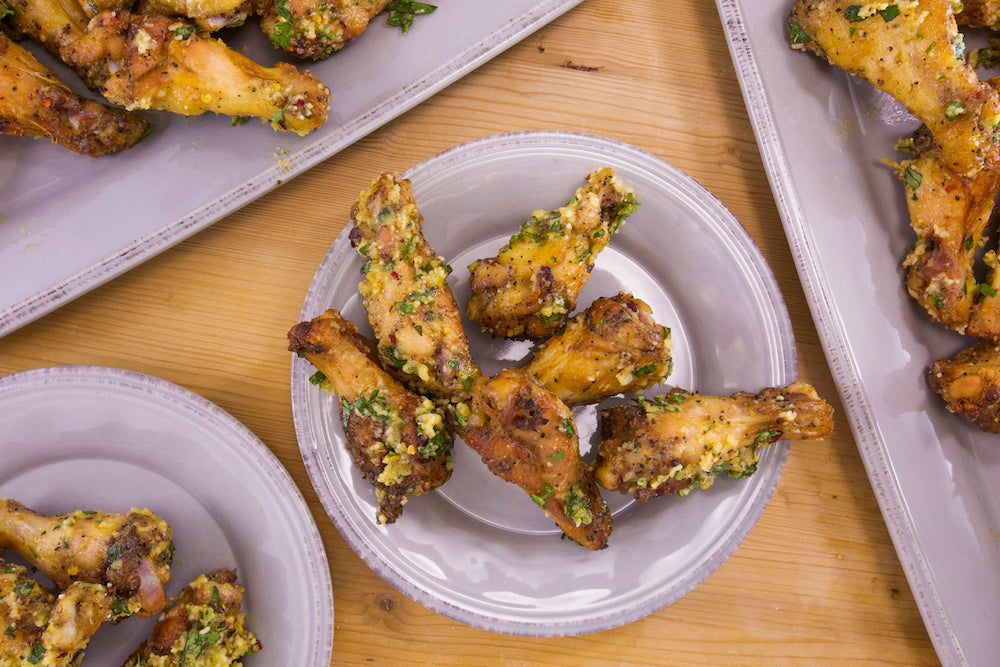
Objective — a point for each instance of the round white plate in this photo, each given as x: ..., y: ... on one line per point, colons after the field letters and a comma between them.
x: 84, y: 437
x: 478, y: 550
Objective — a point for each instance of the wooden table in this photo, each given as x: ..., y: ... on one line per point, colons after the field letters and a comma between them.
x: 817, y: 580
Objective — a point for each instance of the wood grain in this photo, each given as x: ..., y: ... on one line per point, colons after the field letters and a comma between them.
x: 817, y: 580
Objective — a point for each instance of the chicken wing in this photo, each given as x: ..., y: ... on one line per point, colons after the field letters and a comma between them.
x: 612, y: 347
x: 202, y: 627
x: 147, y: 61
x: 207, y: 15
x: 130, y: 553
x: 679, y: 441
x: 913, y: 51
x: 531, y: 287
x: 399, y: 441
x: 40, y: 629
x: 315, y: 29
x: 526, y: 436
x: 50, y: 23
x: 969, y: 384
x: 35, y: 103
x: 978, y: 13
x: 949, y: 213
x: 410, y: 306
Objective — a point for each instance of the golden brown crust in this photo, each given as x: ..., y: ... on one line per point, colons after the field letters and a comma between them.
x: 969, y: 384
x: 315, y: 29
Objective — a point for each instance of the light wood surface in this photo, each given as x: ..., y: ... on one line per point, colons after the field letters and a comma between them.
x: 816, y: 581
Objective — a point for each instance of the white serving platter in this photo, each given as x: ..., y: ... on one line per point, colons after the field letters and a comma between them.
x: 69, y: 223
x: 823, y: 136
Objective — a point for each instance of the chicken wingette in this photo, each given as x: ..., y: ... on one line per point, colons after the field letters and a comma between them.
x: 129, y: 553
x: 147, y: 61
x: 410, y: 306
x: 913, y: 51
x: 35, y: 103
x: 527, y: 436
x: 614, y: 346
x: 49, y: 23
x: 202, y: 627
x: 680, y: 441
x: 398, y: 440
x: 529, y: 289
x: 40, y: 629
x: 315, y: 29
x: 969, y: 384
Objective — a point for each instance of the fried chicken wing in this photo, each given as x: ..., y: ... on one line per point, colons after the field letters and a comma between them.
x: 202, y: 627
x: 147, y: 61
x: 410, y: 306
x: 129, y: 553
x: 35, y: 103
x: 969, y: 384
x: 614, y: 346
x: 978, y: 14
x: 208, y: 15
x: 399, y: 441
x: 315, y: 29
x: 526, y: 436
x: 679, y: 441
x: 50, y: 23
x: 949, y: 213
x: 40, y: 629
x: 913, y: 51
x: 531, y: 287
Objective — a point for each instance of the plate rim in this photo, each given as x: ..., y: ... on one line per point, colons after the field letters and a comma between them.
x: 785, y: 365
x: 212, y: 417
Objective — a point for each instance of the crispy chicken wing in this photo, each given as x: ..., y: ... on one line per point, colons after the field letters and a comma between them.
x: 315, y: 29
x: 526, y: 436
x: 949, y: 213
x: 147, y: 61
x: 410, y: 306
x: 612, y: 347
x: 679, y: 440
x: 35, y: 103
x: 531, y: 287
x: 50, y: 23
x: 969, y: 384
x: 202, y: 627
x: 129, y: 553
x: 979, y: 13
x: 399, y: 441
x: 913, y: 51
x: 40, y: 629
x: 208, y: 15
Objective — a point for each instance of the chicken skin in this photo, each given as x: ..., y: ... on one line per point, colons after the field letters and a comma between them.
x: 314, y: 29
x: 529, y: 289
x: 202, y: 627
x: 969, y: 384
x: 410, y: 306
x: 147, y: 61
x: 130, y: 554
x: 913, y: 51
x: 526, y: 436
x: 679, y: 441
x: 979, y: 14
x: 207, y: 15
x: 399, y: 441
x: 40, y: 629
x: 49, y: 23
x: 35, y: 103
x: 612, y: 347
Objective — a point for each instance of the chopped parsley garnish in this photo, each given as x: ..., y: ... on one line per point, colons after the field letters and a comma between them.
x: 540, y: 499
x: 24, y: 588
x: 184, y: 32
x: 114, y: 553
x: 37, y: 651
x: 987, y: 290
x: 567, y: 427
x: 644, y: 370
x: 889, y: 13
x: 317, y: 378
x: 578, y: 507
x: 912, y: 177
x: 119, y: 608
x: 6, y: 10
x: 954, y: 109
x: 402, y: 12
x: 796, y: 35
x: 558, y: 456
x: 281, y: 36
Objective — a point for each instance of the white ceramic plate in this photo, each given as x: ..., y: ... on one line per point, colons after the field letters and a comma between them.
x: 69, y: 223
x: 478, y: 550
x: 83, y: 437
x: 823, y: 136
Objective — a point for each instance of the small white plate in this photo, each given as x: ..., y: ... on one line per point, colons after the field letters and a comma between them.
x: 83, y: 437
x: 478, y: 550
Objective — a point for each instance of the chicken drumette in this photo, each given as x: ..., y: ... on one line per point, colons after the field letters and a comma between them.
x: 526, y: 436
x: 612, y: 347
x: 315, y: 29
x: 969, y: 384
x: 531, y: 287
x: 679, y: 441
x: 410, y: 306
x: 202, y: 626
x: 399, y: 441
x: 35, y: 103
x: 40, y: 629
x: 129, y: 553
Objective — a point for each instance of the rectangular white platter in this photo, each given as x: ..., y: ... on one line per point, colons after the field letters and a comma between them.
x: 69, y: 223
x: 823, y: 136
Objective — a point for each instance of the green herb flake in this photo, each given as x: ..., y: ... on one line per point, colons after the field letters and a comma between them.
x: 24, y: 588
x: 402, y: 12
x: 912, y: 177
x: 567, y: 427
x: 114, y: 553
x: 796, y: 35
x: 644, y: 370
x: 37, y: 651
x: 954, y: 109
x: 539, y: 498
x: 558, y: 456
x: 317, y: 378
x: 853, y: 14
x: 281, y: 36
x: 987, y: 290
x: 889, y: 13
